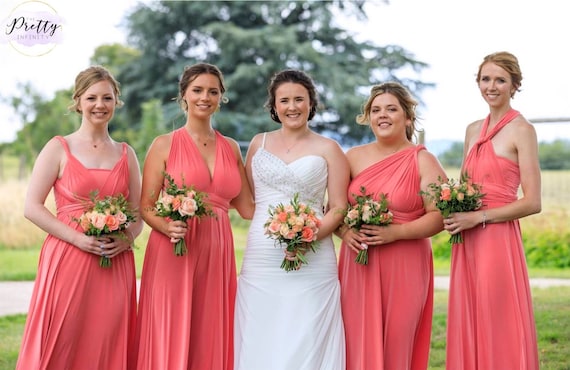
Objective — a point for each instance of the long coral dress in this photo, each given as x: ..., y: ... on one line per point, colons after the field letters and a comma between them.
x: 387, y: 305
x: 490, y: 318
x: 81, y: 316
x: 186, y: 306
x: 288, y: 320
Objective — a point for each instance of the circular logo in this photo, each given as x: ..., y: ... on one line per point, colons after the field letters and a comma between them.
x: 33, y: 28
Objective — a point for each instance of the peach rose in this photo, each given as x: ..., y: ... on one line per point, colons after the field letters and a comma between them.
x: 308, y: 235
x: 176, y: 202
x: 112, y: 222
x: 445, y: 193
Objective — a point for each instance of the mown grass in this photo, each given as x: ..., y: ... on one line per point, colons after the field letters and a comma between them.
x: 20, y: 243
x: 551, y: 309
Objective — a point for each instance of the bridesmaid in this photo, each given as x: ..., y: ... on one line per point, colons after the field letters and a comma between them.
x: 82, y: 316
x: 387, y: 305
x: 491, y: 321
x: 186, y: 307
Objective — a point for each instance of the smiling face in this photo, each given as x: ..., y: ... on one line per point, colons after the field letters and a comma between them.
x: 387, y: 118
x: 292, y: 104
x: 203, y: 96
x: 495, y: 85
x: 97, y: 103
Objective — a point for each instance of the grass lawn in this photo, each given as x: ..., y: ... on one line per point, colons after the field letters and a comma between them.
x: 552, y: 313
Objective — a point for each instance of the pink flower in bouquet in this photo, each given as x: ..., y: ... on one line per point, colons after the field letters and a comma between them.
x: 367, y: 211
x: 180, y: 204
x: 455, y: 196
x: 106, y: 217
x: 294, y: 225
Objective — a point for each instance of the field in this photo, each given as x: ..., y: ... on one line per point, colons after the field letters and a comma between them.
x: 20, y: 241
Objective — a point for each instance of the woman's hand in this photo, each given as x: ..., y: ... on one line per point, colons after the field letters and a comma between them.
x: 354, y: 240
x: 378, y: 235
x: 176, y: 230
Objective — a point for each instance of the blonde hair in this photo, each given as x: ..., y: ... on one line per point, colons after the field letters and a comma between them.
x: 87, y: 78
x: 509, y: 63
x: 407, y: 102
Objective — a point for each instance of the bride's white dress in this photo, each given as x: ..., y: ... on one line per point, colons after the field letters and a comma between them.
x: 288, y: 320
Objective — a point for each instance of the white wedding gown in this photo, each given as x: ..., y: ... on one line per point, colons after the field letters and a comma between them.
x: 288, y: 320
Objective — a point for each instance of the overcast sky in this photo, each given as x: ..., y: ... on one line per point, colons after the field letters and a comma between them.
x: 451, y: 36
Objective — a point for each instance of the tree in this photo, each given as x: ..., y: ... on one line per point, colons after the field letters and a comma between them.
x: 452, y: 157
x: 555, y: 155
x: 42, y: 119
x: 250, y: 41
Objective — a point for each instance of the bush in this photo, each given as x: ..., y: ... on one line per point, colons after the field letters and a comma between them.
x: 543, y: 249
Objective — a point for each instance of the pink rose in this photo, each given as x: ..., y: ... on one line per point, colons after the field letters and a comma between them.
x: 98, y: 220
x: 274, y: 227
x: 188, y: 207
x: 121, y: 217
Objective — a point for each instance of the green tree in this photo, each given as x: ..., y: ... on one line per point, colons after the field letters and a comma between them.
x: 250, y: 41
x: 42, y: 119
x: 554, y: 155
x: 452, y: 157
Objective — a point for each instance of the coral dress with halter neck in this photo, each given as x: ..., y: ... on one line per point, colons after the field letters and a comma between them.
x: 490, y: 320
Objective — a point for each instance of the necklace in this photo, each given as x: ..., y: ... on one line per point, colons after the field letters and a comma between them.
x: 204, y: 142
x: 289, y: 147
x: 96, y: 144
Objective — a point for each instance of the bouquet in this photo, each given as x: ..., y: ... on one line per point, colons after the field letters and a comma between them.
x: 455, y: 196
x: 370, y: 212
x: 106, y: 217
x: 180, y: 204
x: 294, y: 225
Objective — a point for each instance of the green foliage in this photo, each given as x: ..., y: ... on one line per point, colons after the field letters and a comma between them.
x: 553, y: 155
x: 452, y: 157
x: 551, y: 311
x: 11, y: 329
x: 250, y: 41
x: 547, y: 248
x: 543, y: 249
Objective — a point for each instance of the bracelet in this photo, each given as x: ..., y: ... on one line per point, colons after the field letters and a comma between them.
x: 484, y: 219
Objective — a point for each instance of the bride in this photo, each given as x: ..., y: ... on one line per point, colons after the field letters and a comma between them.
x: 292, y: 320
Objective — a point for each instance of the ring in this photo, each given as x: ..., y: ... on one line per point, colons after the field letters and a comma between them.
x: 102, y: 246
x: 103, y: 254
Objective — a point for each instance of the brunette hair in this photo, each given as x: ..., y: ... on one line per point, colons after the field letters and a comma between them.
x: 293, y: 76
x: 191, y: 73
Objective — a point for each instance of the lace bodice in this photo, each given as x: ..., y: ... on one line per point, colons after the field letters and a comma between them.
x: 277, y: 182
